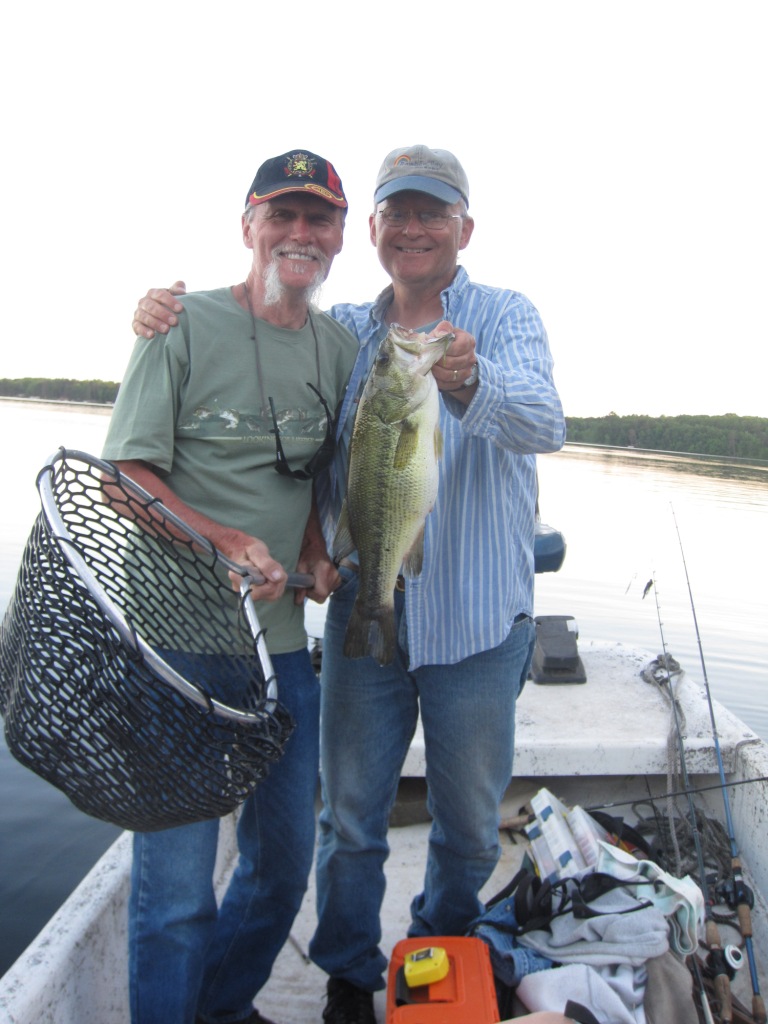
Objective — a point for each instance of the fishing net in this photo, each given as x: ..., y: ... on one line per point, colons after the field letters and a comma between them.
x: 132, y: 676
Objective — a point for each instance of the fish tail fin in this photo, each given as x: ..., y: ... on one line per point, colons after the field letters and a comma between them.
x: 371, y: 633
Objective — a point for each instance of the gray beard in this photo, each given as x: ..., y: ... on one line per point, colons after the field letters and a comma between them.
x: 275, y: 290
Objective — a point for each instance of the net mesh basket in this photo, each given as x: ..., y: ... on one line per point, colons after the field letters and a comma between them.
x: 132, y: 676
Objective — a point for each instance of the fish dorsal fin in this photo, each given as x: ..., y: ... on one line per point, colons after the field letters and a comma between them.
x: 407, y: 444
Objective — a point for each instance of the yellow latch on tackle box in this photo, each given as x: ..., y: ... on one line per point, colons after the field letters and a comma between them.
x: 425, y: 966
x: 464, y: 993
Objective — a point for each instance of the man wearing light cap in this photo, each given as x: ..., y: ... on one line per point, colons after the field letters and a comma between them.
x: 435, y: 172
x: 227, y: 421
x: 466, y: 633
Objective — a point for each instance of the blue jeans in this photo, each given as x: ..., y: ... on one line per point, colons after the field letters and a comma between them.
x: 368, y: 717
x: 187, y: 957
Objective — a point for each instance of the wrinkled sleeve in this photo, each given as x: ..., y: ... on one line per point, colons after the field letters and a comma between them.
x: 143, y: 422
x: 516, y: 405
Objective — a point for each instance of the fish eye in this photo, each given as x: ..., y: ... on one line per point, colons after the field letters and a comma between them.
x: 383, y: 358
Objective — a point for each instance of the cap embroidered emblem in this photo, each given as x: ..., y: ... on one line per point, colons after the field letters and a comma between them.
x: 299, y: 165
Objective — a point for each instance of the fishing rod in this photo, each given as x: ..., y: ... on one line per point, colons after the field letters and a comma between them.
x: 742, y: 896
x: 716, y: 960
x: 651, y: 798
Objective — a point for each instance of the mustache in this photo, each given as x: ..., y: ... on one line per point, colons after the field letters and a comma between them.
x: 302, y: 250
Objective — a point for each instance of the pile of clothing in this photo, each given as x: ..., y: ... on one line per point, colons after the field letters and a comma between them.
x: 589, y: 922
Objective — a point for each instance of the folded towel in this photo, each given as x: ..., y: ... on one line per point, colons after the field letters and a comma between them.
x: 679, y: 899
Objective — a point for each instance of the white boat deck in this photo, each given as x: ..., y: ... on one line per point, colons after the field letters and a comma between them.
x: 589, y: 743
x: 591, y: 729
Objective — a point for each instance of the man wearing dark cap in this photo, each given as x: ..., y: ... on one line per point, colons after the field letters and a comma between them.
x: 228, y: 421
x: 465, y: 627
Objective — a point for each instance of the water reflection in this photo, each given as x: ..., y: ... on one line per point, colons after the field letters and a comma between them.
x: 616, y: 508
x: 635, y: 459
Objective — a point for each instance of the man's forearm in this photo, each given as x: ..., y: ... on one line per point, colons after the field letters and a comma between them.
x: 236, y: 545
x: 314, y: 559
x: 225, y: 539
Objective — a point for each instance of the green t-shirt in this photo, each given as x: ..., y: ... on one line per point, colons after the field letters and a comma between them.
x: 192, y: 405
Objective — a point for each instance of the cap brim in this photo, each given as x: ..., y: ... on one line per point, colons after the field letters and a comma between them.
x: 418, y: 183
x: 316, y: 190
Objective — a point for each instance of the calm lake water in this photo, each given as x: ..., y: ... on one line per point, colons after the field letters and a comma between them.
x: 615, y: 509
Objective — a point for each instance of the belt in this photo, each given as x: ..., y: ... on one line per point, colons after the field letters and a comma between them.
x: 354, y: 567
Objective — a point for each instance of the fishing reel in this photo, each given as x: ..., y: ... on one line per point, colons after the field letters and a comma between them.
x: 727, y: 960
x: 736, y: 893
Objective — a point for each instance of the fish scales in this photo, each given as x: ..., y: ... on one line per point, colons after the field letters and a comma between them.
x: 391, y: 484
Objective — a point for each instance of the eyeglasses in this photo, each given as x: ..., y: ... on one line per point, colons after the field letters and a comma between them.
x: 321, y: 459
x: 433, y: 220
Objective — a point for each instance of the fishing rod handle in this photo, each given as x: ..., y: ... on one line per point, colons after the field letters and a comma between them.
x: 719, y: 969
x: 297, y: 580
x: 745, y: 920
x: 745, y: 926
x: 723, y: 995
x: 758, y: 1009
x: 743, y: 897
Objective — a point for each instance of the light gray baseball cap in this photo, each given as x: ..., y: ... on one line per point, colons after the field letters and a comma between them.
x: 421, y: 169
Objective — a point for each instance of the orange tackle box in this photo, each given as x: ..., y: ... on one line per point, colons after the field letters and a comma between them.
x: 464, y: 994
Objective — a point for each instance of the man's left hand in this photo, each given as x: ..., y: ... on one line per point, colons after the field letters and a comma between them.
x: 327, y: 580
x: 455, y: 367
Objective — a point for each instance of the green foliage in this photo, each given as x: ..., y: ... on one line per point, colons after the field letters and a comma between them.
x: 730, y: 436
x: 101, y: 392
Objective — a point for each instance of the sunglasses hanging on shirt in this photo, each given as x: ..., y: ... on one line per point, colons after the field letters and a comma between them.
x: 323, y: 457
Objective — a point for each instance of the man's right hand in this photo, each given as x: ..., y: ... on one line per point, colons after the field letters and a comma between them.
x: 157, y: 310
x: 254, y: 554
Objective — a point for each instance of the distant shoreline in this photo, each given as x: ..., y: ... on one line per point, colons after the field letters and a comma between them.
x: 633, y: 449
x: 729, y: 438
x: 57, y: 401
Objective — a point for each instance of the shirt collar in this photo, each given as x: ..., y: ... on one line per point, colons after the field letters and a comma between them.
x: 449, y: 295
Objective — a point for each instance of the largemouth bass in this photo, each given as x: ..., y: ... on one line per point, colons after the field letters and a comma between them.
x: 391, y: 483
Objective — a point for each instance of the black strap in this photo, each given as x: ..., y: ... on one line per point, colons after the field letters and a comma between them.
x: 508, y: 889
x: 580, y: 1014
x: 623, y: 832
x: 537, y: 902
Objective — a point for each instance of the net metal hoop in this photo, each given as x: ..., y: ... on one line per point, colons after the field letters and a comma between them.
x: 113, y: 612
x: 132, y: 676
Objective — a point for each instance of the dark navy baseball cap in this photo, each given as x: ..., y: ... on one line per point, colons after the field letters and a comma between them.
x: 297, y: 171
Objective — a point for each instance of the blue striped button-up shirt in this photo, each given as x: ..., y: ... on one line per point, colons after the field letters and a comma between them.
x: 478, y: 544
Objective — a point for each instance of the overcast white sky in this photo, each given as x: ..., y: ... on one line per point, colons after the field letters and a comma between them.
x: 615, y: 152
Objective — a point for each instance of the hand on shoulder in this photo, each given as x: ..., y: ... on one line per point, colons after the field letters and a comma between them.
x: 157, y: 310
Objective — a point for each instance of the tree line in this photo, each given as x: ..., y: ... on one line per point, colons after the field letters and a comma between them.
x: 730, y: 436
x: 57, y: 389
